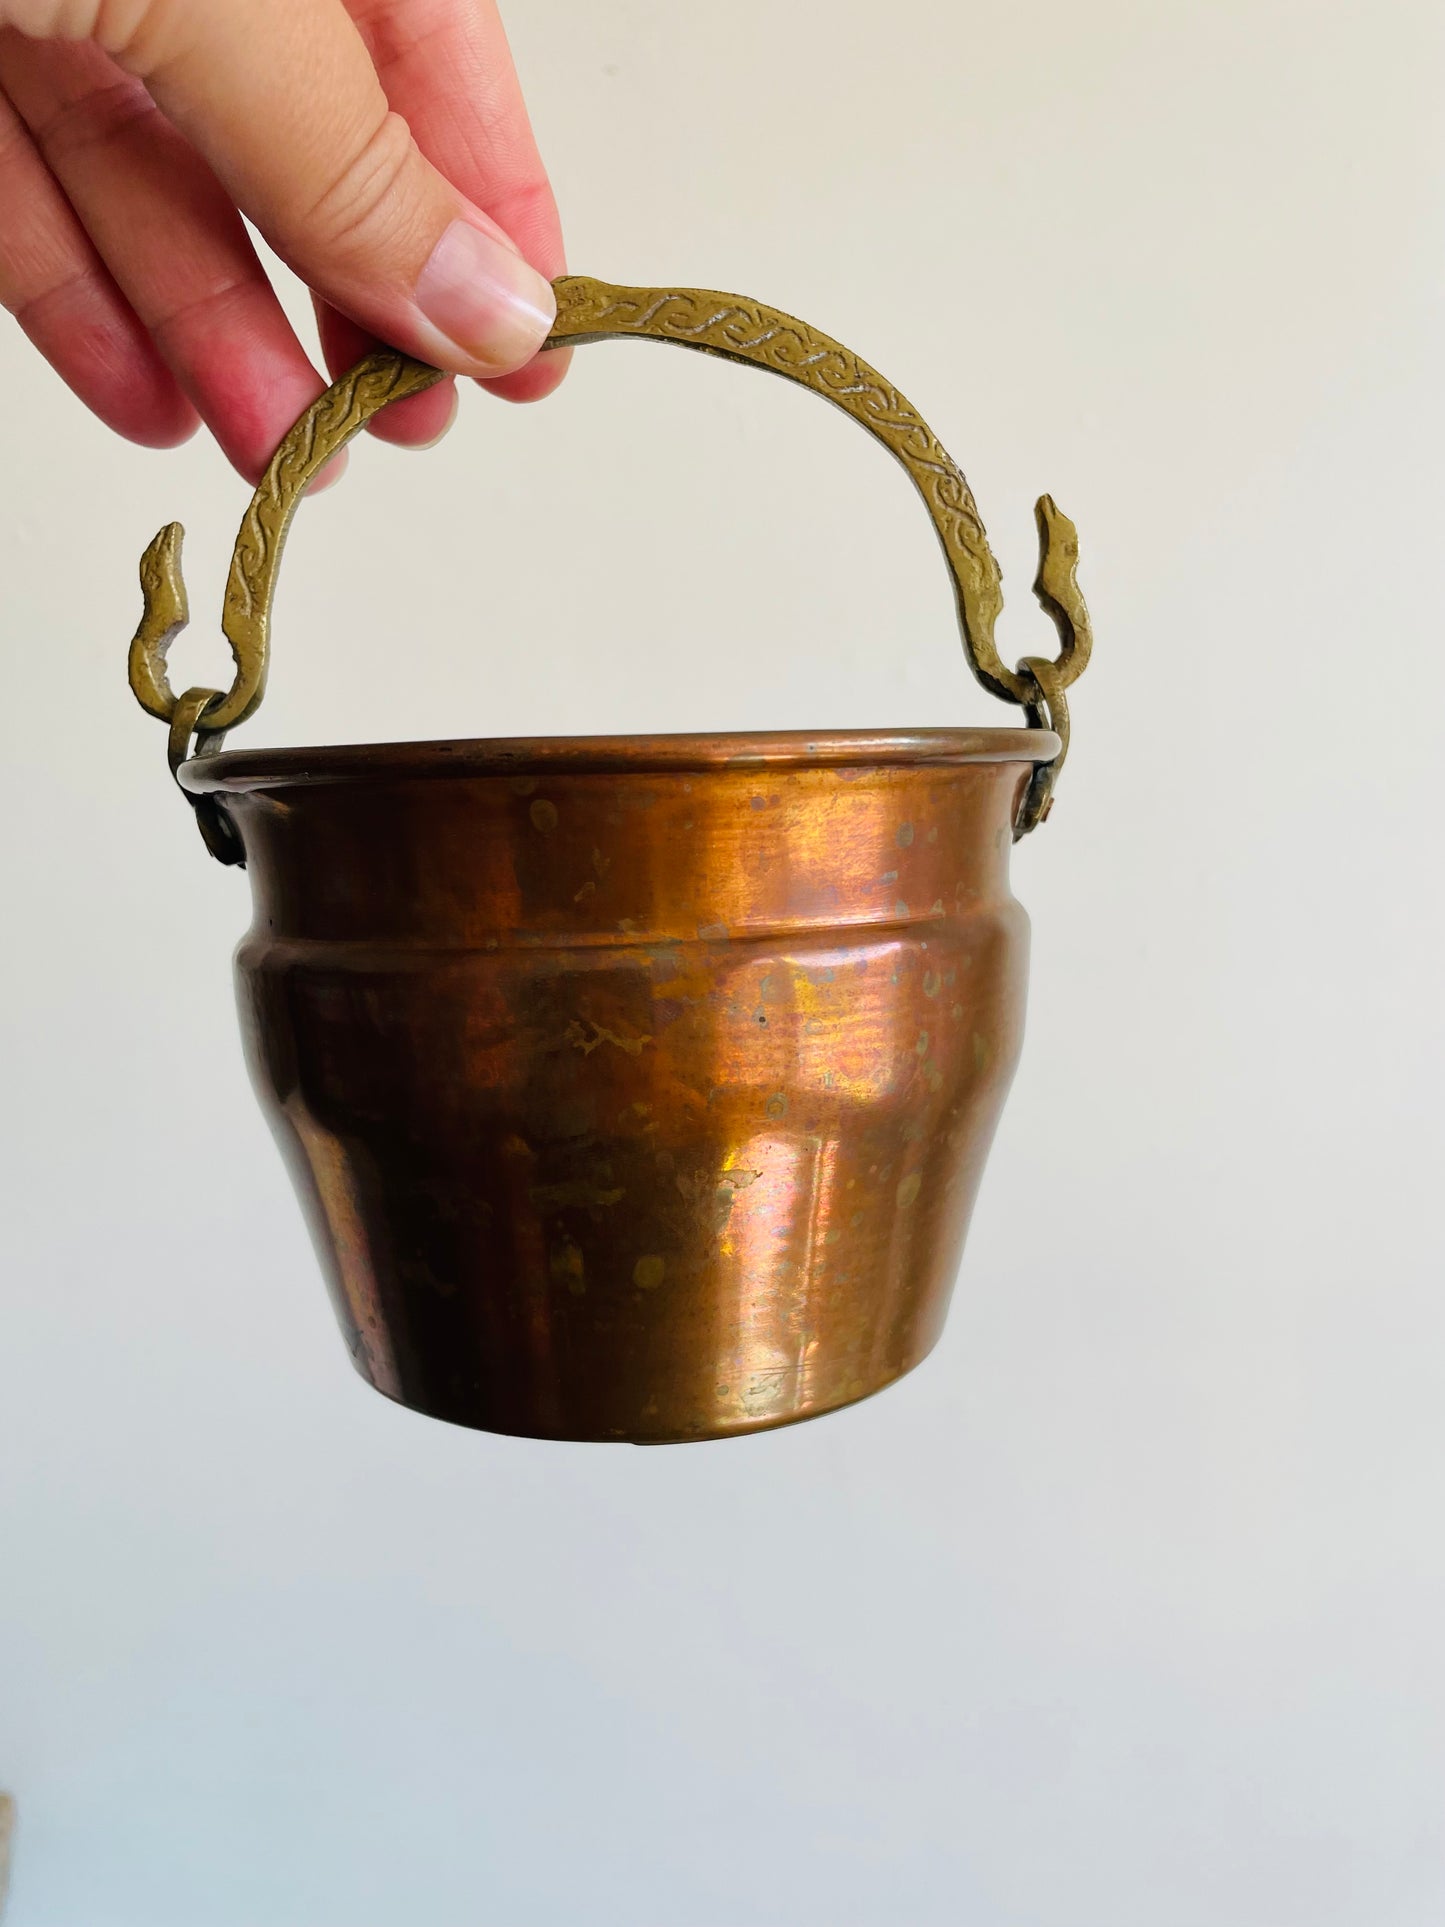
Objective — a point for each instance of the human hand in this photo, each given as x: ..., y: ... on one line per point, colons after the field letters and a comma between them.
x: 381, y: 147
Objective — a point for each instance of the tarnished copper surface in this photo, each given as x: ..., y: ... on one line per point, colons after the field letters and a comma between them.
x: 635, y: 1088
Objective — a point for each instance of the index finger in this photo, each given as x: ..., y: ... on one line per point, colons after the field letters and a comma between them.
x: 447, y: 69
x: 285, y: 103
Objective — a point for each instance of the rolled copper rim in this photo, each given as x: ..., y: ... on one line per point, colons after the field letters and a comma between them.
x: 248, y: 769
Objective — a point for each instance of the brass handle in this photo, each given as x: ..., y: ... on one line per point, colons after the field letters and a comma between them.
x: 326, y: 427
x: 587, y: 310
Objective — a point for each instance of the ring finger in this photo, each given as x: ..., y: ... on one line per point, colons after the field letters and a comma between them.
x: 59, y: 290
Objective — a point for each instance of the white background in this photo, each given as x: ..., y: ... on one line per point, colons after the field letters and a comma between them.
x: 1126, y: 1610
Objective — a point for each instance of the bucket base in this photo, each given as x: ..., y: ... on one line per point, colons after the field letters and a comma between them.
x: 742, y: 1429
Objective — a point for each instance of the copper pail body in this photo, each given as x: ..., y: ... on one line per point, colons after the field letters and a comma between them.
x: 637, y: 1088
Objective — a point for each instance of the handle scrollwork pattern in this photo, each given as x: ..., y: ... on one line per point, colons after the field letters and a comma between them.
x: 715, y: 324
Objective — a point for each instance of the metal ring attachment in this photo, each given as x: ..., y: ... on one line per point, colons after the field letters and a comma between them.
x: 188, y: 722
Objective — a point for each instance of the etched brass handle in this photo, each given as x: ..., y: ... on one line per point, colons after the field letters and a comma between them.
x: 588, y: 310
x: 326, y: 427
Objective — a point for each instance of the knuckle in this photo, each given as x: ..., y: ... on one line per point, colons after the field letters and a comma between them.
x: 15, y: 147
x: 102, y: 117
x: 53, y: 19
x: 198, y: 308
x: 394, y: 35
x: 111, y: 22
x: 36, y: 302
x: 529, y: 203
x: 366, y: 209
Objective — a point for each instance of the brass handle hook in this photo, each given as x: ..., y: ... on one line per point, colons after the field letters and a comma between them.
x: 716, y: 324
x: 326, y: 427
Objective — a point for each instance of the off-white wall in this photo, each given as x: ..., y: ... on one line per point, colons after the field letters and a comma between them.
x: 1125, y: 1611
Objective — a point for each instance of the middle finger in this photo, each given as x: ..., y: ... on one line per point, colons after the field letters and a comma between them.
x: 172, y: 239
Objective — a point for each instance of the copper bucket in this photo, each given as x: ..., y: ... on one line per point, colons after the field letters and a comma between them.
x: 634, y: 1088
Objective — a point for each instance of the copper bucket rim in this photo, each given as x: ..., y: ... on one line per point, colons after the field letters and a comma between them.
x: 680, y: 754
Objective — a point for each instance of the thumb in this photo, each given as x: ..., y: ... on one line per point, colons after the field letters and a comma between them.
x: 282, y: 99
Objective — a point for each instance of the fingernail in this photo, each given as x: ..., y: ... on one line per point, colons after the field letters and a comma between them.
x: 485, y: 299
